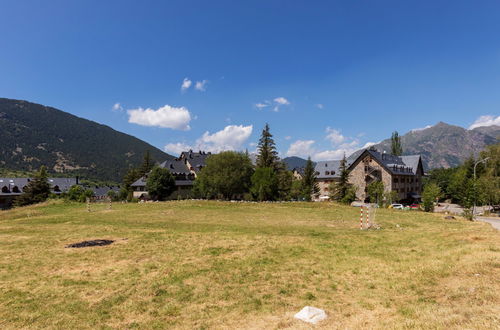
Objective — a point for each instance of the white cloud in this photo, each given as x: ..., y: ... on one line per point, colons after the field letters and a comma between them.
x: 288, y: 137
x: 319, y: 106
x: 334, y: 136
x: 331, y: 154
x: 186, y: 83
x: 262, y: 105
x: 276, y: 104
x: 301, y: 148
x: 232, y: 137
x: 117, y: 107
x: 487, y: 120
x: 201, y: 85
x: 177, y: 148
x: 166, y: 116
x: 281, y: 100
x: 341, y: 145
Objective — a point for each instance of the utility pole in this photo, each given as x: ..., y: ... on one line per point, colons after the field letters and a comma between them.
x: 478, y: 162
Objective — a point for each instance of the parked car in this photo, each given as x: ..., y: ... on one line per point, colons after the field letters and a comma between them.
x: 396, y: 206
x: 415, y: 206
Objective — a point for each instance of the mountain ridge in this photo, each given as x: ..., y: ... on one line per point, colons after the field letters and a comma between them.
x: 33, y: 135
x: 441, y: 145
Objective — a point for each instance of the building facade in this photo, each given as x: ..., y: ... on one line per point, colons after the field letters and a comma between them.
x: 401, y: 175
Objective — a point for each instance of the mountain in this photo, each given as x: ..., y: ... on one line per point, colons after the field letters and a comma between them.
x: 32, y: 135
x: 444, y: 145
x: 293, y: 162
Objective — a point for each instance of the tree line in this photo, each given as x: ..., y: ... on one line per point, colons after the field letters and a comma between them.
x: 475, y: 182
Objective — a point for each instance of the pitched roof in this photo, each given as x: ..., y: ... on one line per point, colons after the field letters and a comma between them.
x: 327, y: 169
x: 401, y: 165
x: 195, y: 159
x: 176, y: 166
x: 62, y: 183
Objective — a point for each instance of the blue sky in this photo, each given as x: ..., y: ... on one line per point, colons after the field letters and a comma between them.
x: 328, y: 76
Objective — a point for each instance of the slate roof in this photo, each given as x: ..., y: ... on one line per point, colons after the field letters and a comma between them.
x: 196, y: 159
x: 327, y: 169
x: 103, y: 191
x: 400, y: 165
x: 176, y: 166
x: 180, y: 166
x: 9, y: 183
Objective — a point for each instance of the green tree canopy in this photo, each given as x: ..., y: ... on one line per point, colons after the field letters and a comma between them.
x: 147, y: 164
x: 310, y: 187
x: 36, y: 191
x: 160, y: 183
x: 396, y: 147
x: 339, y: 190
x: 267, y: 156
x: 227, y: 175
x: 264, y: 184
x: 375, y: 192
x: 430, y: 195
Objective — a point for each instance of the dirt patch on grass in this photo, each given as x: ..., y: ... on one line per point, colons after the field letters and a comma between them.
x: 91, y: 243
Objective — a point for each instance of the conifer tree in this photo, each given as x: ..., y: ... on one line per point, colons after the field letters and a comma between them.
x: 147, y: 164
x: 310, y: 187
x: 341, y: 188
x: 267, y: 155
x: 396, y: 147
x: 36, y: 191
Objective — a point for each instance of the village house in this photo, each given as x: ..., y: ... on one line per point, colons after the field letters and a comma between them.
x: 10, y: 188
x: 185, y: 169
x: 400, y: 174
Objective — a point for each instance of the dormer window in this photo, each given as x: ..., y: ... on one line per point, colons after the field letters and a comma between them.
x: 327, y: 172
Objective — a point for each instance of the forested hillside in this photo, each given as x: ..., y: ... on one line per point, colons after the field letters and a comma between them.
x: 32, y: 135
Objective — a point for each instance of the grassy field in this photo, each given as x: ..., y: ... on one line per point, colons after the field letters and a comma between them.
x: 217, y: 265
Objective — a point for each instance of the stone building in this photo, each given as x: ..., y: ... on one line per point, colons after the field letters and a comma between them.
x: 401, y: 174
x: 326, y: 172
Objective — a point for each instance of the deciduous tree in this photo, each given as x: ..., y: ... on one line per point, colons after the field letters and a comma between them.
x: 160, y: 183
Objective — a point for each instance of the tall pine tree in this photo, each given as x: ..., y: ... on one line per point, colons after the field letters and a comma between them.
x: 310, y: 187
x: 147, y: 164
x: 36, y: 191
x: 341, y: 188
x: 267, y: 155
x: 396, y: 147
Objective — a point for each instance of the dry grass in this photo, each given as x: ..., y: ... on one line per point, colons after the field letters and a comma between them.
x: 199, y: 265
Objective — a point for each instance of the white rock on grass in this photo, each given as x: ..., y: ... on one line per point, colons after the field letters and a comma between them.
x: 311, y: 315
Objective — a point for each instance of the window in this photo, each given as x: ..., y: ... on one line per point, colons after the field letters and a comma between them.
x: 396, y: 180
x: 15, y: 189
x: 5, y: 189
x: 327, y: 172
